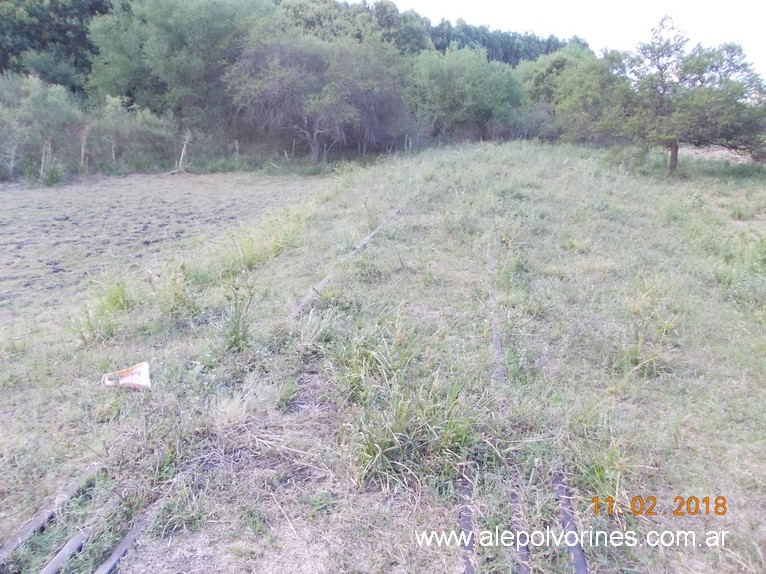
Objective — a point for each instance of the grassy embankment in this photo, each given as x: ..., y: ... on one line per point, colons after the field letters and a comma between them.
x: 632, y: 312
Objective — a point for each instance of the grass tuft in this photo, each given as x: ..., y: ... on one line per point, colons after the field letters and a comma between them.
x: 422, y: 432
x: 259, y: 246
x: 117, y: 298
x: 93, y: 327
x: 185, y: 511
x: 236, y: 319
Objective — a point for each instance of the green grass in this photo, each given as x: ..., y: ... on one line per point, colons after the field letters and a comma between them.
x: 323, y: 502
x: 116, y: 297
x: 185, y: 511
x: 632, y: 312
x: 236, y: 319
x: 34, y: 555
x: 93, y: 327
x: 288, y: 394
x: 264, y: 243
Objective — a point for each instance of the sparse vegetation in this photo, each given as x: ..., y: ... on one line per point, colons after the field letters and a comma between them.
x: 358, y: 419
x: 629, y: 308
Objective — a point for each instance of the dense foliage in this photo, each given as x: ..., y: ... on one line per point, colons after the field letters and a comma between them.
x: 662, y: 94
x: 99, y: 85
x: 49, y: 38
x: 704, y: 96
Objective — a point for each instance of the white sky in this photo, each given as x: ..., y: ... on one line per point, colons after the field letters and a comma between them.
x: 611, y: 23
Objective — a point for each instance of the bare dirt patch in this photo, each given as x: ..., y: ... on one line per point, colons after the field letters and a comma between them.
x: 715, y: 153
x: 52, y: 240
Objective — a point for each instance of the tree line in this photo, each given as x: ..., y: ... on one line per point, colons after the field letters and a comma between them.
x: 93, y: 85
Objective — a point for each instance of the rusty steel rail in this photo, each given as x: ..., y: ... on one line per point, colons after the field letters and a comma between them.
x: 467, y: 534
x: 76, y: 543
x: 125, y: 544
x: 47, y: 513
x: 358, y: 248
x: 577, y: 553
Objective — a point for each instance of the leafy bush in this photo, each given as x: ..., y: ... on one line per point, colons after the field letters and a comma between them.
x: 462, y: 94
x: 45, y: 135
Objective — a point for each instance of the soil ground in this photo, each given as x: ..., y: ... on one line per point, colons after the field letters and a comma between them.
x: 53, y: 241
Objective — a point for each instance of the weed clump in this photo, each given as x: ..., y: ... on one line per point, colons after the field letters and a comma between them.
x: 259, y: 246
x: 418, y: 431
x: 235, y: 322
x: 117, y: 298
x: 93, y: 327
x: 186, y: 511
x: 413, y: 425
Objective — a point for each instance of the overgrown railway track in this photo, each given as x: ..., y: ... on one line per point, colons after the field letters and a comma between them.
x: 522, y: 560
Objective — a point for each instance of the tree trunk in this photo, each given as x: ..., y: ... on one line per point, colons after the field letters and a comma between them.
x: 673, y: 147
x: 46, y: 157
x: 84, y: 148
x: 316, y: 151
x: 182, y: 159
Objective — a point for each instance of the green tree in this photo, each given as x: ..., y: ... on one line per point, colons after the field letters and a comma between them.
x: 44, y: 133
x: 540, y: 77
x: 330, y: 20
x: 461, y: 94
x: 170, y: 55
x: 326, y: 19
x: 509, y: 47
x: 40, y: 122
x: 702, y: 97
x: 592, y: 99
x: 12, y: 135
x: 406, y: 31
x: 442, y: 35
x: 49, y: 38
x: 126, y: 137
x: 323, y: 93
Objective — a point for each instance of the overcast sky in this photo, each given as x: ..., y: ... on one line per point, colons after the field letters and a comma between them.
x: 612, y: 24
